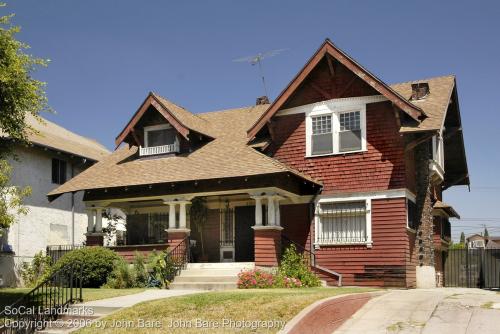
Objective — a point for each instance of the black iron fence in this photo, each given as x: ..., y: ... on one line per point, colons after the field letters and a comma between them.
x: 472, y: 268
x: 55, y: 252
x: 45, y: 303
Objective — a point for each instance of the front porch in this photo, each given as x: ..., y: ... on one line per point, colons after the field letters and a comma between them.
x: 230, y: 226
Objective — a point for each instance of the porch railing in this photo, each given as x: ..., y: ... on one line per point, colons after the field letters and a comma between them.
x: 310, y: 258
x: 55, y: 252
x: 178, y: 258
x: 45, y: 303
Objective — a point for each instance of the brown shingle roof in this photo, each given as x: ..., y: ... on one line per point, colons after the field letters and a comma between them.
x: 228, y: 155
x: 51, y: 135
x: 434, y: 105
x: 225, y: 156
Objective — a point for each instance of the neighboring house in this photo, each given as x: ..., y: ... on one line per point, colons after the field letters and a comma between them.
x: 341, y: 163
x: 55, y: 156
x: 477, y: 241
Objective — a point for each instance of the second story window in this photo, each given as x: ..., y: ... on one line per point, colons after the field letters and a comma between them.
x: 58, y: 171
x: 335, y: 132
x: 159, y: 139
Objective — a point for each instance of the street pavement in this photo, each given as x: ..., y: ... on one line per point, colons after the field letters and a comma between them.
x: 428, y: 311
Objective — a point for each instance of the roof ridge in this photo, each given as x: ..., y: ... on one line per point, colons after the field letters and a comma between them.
x: 178, y: 106
x: 232, y: 109
x: 424, y: 79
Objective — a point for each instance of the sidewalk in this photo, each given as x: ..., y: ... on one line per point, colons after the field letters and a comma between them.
x: 445, y: 310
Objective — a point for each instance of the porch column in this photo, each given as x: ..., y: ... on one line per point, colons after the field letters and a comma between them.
x: 90, y: 220
x: 171, y: 216
x: 258, y: 210
x: 98, y: 220
x: 277, y: 217
x: 271, y: 214
x: 182, y: 214
x: 94, y: 235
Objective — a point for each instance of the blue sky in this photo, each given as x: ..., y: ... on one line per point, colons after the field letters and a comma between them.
x: 107, y: 55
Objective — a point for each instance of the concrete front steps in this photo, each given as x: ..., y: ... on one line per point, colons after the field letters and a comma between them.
x: 210, y: 276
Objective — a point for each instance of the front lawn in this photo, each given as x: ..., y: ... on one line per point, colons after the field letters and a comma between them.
x: 236, y: 305
x: 10, y: 295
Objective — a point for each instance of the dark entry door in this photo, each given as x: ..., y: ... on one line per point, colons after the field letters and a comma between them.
x: 244, y: 238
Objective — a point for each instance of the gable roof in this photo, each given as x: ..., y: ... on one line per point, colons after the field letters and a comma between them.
x: 47, y: 134
x: 329, y: 49
x: 181, y: 119
x: 226, y: 156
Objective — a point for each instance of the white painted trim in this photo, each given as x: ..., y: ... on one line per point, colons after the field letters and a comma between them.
x: 333, y: 104
x: 267, y: 227
x: 335, y: 108
x: 156, y: 128
x: 359, y: 196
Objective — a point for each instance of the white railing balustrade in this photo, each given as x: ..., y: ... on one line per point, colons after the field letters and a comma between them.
x: 154, y: 150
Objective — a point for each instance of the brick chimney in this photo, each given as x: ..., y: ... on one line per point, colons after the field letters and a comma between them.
x: 262, y: 100
x: 419, y: 90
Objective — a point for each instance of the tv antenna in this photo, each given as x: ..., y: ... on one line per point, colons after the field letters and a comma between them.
x: 257, y: 60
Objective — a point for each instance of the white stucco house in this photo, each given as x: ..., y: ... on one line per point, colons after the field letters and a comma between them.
x: 55, y: 156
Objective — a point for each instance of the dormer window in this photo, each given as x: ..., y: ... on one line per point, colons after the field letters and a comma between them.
x: 159, y: 139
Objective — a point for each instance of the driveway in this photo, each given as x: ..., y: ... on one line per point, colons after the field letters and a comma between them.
x: 444, y: 310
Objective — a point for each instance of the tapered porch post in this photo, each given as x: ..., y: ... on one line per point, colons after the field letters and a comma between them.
x: 94, y: 235
x: 176, y: 235
x: 267, y: 238
x: 171, y: 215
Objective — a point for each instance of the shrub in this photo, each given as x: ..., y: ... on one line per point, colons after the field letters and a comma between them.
x: 294, y: 265
x: 162, y: 269
x: 122, y: 276
x: 255, y: 279
x: 95, y: 264
x: 35, y: 271
x: 139, y: 271
x: 281, y: 281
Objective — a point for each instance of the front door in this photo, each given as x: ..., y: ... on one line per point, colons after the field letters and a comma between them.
x: 244, y: 236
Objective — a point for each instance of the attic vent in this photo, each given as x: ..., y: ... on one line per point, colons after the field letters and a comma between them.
x: 419, y: 90
x: 262, y: 100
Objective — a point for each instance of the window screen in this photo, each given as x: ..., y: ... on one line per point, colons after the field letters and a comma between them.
x: 322, y: 141
x: 161, y: 137
x: 350, y: 131
x: 412, y: 215
x: 58, y: 171
x: 342, y: 223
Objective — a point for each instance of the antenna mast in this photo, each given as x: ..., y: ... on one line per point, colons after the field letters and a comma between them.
x: 257, y: 59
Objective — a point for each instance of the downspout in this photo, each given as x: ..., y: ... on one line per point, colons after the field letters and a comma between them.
x: 312, y: 213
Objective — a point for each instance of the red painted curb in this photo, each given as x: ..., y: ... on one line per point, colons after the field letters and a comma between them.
x: 326, y: 315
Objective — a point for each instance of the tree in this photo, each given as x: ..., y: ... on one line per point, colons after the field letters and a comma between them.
x: 486, y: 234
x: 11, y: 198
x: 462, y: 238
x: 20, y: 94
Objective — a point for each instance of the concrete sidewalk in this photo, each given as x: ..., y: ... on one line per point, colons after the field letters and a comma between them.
x: 445, y: 310
x: 130, y: 300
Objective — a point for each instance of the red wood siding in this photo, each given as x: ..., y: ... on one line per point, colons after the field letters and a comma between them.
x: 267, y: 247
x: 382, y: 265
x: 296, y: 223
x: 382, y: 167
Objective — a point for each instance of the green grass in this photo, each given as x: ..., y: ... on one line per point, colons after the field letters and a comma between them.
x: 237, y: 305
x: 10, y: 295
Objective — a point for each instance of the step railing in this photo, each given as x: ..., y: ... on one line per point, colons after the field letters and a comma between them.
x: 44, y: 303
x: 178, y: 258
x: 309, y: 257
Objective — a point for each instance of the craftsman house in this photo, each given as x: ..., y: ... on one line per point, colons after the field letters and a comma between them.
x: 342, y: 164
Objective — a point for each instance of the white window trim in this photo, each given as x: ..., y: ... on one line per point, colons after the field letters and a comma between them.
x: 156, y: 128
x: 437, y: 162
x: 335, y: 111
x: 368, y: 242
x: 413, y: 200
